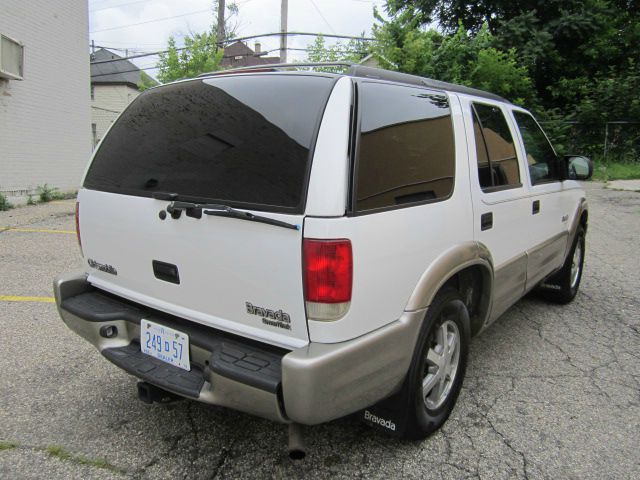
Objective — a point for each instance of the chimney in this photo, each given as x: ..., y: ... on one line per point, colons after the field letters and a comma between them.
x: 258, y: 47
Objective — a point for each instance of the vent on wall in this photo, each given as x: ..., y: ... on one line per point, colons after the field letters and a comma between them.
x: 11, y: 58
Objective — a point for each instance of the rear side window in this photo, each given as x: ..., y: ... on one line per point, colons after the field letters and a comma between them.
x: 541, y: 157
x: 497, y: 161
x: 406, y: 149
x: 237, y: 140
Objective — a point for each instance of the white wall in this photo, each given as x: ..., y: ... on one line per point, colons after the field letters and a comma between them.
x: 108, y: 101
x: 45, y: 128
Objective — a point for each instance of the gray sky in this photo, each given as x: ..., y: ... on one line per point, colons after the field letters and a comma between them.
x: 110, y: 22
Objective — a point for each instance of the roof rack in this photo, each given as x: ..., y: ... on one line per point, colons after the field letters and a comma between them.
x: 361, y: 71
x: 381, y: 74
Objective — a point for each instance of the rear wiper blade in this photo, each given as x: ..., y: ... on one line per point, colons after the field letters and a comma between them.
x: 195, y: 210
x: 225, y: 211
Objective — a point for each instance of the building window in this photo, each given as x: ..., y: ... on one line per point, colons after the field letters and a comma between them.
x: 495, y: 152
x: 406, y: 153
x: 11, y: 58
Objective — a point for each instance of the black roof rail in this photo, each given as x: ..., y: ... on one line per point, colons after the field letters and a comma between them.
x: 388, y: 75
x: 276, y: 66
x: 361, y: 71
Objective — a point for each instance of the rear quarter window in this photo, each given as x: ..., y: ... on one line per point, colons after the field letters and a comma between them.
x: 406, y: 147
x: 239, y: 140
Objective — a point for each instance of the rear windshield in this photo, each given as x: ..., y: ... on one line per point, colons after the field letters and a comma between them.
x: 237, y: 140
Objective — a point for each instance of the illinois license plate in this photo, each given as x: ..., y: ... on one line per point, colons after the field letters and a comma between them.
x: 165, y: 344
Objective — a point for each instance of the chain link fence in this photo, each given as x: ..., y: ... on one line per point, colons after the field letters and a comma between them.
x: 617, y: 141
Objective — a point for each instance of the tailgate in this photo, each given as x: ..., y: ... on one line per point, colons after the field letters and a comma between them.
x: 239, y: 142
x: 240, y: 276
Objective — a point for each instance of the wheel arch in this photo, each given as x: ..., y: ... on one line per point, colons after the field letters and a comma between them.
x: 581, y: 218
x: 468, y: 267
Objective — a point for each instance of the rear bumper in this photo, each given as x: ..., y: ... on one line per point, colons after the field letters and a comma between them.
x: 309, y: 385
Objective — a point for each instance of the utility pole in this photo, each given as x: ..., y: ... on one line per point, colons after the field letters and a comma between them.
x: 284, y: 7
x: 220, y: 39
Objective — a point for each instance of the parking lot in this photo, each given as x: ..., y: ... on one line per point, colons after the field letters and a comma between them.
x: 551, y: 391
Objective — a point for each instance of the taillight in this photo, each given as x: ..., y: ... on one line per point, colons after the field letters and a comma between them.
x: 78, y: 227
x: 328, y: 278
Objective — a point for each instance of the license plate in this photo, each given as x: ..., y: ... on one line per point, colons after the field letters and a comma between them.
x: 165, y: 344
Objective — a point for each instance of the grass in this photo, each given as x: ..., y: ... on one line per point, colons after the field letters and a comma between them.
x: 605, y: 172
x: 65, y: 455
x: 7, y: 445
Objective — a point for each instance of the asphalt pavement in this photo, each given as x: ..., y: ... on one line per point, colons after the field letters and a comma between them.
x: 551, y: 391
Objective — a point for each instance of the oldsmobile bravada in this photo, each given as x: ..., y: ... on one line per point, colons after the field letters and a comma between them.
x: 305, y: 245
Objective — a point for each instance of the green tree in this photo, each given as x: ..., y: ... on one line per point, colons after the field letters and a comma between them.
x: 146, y: 81
x: 200, y: 53
x: 352, y: 51
x: 555, y: 39
x: 581, y: 55
x: 462, y: 58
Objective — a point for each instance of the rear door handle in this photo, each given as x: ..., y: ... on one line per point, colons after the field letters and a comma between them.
x: 486, y: 221
x: 535, y: 207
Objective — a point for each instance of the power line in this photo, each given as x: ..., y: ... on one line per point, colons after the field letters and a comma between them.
x: 124, y: 71
x: 239, y: 39
x: 322, y: 16
x: 151, y: 21
x: 225, y: 56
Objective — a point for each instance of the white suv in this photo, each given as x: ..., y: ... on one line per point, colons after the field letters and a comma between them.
x: 305, y: 245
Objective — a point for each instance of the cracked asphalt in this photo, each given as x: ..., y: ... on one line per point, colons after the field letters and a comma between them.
x: 551, y: 391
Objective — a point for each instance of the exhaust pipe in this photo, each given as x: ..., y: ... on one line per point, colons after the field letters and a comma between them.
x: 297, y: 449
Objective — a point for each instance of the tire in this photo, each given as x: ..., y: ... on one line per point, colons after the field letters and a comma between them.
x: 563, y: 286
x: 427, y: 412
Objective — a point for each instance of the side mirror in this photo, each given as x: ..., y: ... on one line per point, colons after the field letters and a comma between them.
x: 579, y: 167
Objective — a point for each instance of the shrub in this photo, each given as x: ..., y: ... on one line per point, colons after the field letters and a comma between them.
x: 47, y: 193
x: 4, y: 203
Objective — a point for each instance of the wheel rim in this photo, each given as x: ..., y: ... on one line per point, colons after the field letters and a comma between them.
x: 441, y: 367
x: 576, y: 262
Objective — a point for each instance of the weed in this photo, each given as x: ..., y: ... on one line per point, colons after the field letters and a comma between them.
x: 64, y: 454
x: 7, y: 445
x: 68, y: 195
x: 4, y: 203
x: 48, y: 193
x: 30, y: 200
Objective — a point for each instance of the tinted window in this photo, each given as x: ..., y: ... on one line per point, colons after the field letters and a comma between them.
x: 495, y: 151
x: 236, y: 140
x: 541, y: 157
x: 406, y: 147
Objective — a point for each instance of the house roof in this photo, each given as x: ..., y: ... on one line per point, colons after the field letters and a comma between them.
x: 120, y: 72
x: 238, y: 54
